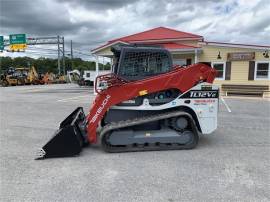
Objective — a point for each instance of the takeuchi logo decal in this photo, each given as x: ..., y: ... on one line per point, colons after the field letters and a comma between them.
x: 99, y: 110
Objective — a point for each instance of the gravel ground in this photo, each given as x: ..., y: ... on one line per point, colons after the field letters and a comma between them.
x: 232, y: 164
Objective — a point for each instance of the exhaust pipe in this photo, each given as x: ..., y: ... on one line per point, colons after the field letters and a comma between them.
x: 69, y: 139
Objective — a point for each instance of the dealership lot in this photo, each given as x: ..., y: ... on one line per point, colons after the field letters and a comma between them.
x: 232, y: 164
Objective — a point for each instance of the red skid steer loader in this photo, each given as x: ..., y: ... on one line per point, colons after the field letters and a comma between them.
x: 145, y: 104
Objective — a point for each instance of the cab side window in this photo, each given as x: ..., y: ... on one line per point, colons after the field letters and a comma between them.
x: 143, y: 64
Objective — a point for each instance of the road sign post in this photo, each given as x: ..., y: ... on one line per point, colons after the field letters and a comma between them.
x: 18, y: 46
x: 1, y: 43
x: 17, y: 39
x: 17, y: 42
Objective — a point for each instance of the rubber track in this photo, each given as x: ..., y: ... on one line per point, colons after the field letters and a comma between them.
x: 149, y: 147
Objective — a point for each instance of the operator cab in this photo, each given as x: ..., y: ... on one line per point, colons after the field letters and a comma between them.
x: 134, y: 62
x: 137, y: 62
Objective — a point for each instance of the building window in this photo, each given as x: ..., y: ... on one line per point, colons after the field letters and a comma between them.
x: 221, y: 68
x: 262, y: 70
x: 181, y: 62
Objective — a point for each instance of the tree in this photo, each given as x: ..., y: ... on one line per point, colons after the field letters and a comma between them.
x: 44, y: 65
x: 5, y: 62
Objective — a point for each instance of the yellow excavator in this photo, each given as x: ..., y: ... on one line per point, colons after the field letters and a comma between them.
x: 51, y: 78
x: 33, y: 77
x: 21, y: 76
x: 10, y: 78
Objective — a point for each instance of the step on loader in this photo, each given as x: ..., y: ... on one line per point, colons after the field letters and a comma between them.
x: 146, y: 103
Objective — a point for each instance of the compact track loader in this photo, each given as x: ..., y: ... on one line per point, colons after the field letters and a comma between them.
x: 145, y: 104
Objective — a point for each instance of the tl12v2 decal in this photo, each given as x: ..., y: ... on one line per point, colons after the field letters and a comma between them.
x: 193, y: 94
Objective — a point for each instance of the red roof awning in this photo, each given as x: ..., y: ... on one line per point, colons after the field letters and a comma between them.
x: 156, y: 34
x: 159, y: 33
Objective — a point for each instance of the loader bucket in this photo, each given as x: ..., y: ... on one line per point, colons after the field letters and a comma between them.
x: 69, y: 139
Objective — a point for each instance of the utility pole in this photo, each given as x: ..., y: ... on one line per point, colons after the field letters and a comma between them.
x: 58, y: 50
x: 71, y: 54
x: 64, y: 68
x: 103, y: 64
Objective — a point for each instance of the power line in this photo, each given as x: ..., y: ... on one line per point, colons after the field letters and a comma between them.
x: 38, y: 48
x: 79, y: 52
x: 50, y: 49
x: 38, y: 54
x: 53, y: 54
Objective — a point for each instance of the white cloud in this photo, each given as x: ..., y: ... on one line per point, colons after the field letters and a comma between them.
x: 90, y: 24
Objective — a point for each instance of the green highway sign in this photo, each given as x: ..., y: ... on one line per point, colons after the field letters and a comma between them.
x: 1, y: 43
x: 17, y: 39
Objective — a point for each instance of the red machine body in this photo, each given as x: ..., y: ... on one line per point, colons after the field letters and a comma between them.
x: 118, y: 90
x: 128, y: 128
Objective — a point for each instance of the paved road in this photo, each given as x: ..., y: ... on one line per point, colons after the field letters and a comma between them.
x: 232, y: 164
